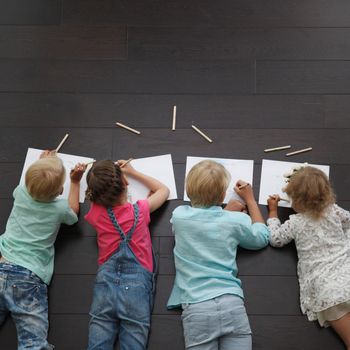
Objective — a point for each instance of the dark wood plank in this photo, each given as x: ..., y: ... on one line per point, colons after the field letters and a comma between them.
x: 242, y: 13
x: 271, y: 295
x: 243, y: 144
x: 69, y: 332
x: 71, y: 294
x: 218, y: 43
x: 166, y: 333
x: 290, y: 333
x: 126, y: 77
x: 214, y: 111
x: 302, y: 77
x: 10, y: 176
x: 94, y: 143
x: 75, y: 255
x: 337, y: 111
x: 64, y: 43
x: 35, y: 12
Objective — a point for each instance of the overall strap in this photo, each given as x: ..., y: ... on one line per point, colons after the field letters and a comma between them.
x: 117, y: 227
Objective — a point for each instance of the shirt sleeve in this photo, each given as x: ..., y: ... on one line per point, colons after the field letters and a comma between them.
x: 253, y: 236
x: 14, y: 194
x: 69, y: 217
x: 280, y: 235
x: 344, y: 217
x: 145, y: 210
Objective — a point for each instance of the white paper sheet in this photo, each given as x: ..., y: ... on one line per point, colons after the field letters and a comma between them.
x: 159, y: 167
x: 272, y: 179
x: 69, y: 161
x: 239, y: 169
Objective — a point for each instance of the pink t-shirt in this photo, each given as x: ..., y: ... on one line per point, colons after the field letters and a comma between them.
x: 108, y: 239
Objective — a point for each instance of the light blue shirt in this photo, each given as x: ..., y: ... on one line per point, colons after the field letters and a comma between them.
x: 31, y: 232
x: 206, y: 241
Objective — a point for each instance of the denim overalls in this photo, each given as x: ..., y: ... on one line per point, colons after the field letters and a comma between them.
x: 123, y: 298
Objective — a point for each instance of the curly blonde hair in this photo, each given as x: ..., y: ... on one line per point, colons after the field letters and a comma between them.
x: 206, y: 183
x: 105, y: 183
x: 310, y: 191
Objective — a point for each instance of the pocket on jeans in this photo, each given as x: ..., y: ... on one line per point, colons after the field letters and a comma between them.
x: 196, y: 328
x: 240, y: 320
x: 138, y: 301
x: 29, y: 296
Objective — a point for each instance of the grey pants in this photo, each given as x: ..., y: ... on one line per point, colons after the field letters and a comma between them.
x: 217, y: 324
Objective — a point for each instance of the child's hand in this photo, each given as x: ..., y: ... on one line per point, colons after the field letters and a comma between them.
x: 272, y: 202
x: 127, y: 169
x: 235, y: 205
x: 48, y: 153
x: 244, y: 190
x: 77, y: 173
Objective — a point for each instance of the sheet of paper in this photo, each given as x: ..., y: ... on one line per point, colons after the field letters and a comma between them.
x: 159, y: 167
x: 272, y: 179
x: 239, y: 169
x: 69, y: 161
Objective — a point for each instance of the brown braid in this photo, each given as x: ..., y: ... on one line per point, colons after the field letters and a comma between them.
x: 105, y: 183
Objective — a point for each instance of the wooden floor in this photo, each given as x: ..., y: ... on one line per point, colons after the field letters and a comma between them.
x: 252, y: 74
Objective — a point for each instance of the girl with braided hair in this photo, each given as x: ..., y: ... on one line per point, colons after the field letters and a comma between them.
x: 321, y: 231
x: 123, y: 293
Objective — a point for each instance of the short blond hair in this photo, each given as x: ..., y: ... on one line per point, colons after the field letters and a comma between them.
x: 206, y: 183
x: 310, y: 191
x: 44, y: 179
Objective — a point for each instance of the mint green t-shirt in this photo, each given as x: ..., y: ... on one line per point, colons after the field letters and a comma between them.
x: 31, y: 232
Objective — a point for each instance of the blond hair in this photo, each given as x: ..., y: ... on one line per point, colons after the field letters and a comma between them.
x: 206, y: 183
x: 310, y: 191
x: 44, y: 179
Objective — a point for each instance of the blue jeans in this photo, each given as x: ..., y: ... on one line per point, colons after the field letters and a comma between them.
x: 217, y: 324
x: 24, y: 296
x: 122, y: 304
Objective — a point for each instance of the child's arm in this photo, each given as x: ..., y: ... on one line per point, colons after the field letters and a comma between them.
x: 246, y: 193
x: 256, y: 235
x: 280, y: 235
x: 75, y: 177
x: 160, y: 192
x: 235, y: 205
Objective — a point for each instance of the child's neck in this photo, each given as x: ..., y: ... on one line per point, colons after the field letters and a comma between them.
x: 123, y: 199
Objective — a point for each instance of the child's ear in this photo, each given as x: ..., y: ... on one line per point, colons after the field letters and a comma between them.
x: 61, y: 190
x: 223, y: 195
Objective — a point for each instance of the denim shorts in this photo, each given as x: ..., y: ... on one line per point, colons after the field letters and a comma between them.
x: 221, y: 319
x: 23, y: 295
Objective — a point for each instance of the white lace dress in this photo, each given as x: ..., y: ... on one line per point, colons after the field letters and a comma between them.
x: 323, y: 248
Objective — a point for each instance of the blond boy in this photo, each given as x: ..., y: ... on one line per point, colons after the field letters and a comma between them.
x: 27, y: 247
